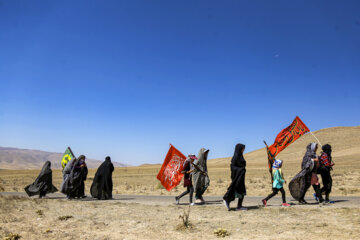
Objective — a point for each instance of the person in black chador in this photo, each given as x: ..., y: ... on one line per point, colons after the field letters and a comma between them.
x: 237, y: 187
x: 102, y: 185
x: 43, y: 183
x: 302, y: 181
x: 326, y: 165
x: 75, y: 174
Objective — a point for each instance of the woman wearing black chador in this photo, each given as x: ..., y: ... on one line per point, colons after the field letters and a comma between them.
x: 237, y: 187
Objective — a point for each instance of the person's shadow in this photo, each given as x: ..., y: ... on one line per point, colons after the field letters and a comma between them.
x: 248, y: 208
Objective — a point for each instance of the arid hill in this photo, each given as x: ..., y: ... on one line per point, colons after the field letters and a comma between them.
x: 345, y: 142
x: 17, y: 159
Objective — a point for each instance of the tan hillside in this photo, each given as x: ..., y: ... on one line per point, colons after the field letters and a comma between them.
x: 345, y: 142
x: 16, y: 159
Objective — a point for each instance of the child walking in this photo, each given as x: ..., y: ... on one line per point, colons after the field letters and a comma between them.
x: 278, y: 181
x: 187, y: 170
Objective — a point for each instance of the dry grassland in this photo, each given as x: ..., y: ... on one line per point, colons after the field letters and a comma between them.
x: 62, y: 219
x: 142, y: 180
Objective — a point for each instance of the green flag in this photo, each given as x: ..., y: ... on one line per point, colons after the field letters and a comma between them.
x: 67, y: 157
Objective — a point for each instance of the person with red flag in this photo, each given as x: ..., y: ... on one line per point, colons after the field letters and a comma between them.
x: 170, y: 174
x: 187, y: 171
x: 287, y: 136
x: 326, y: 165
x: 278, y: 181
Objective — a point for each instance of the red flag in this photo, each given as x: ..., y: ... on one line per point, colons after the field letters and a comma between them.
x: 170, y: 173
x: 287, y: 136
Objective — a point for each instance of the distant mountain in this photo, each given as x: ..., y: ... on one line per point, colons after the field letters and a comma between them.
x: 14, y: 158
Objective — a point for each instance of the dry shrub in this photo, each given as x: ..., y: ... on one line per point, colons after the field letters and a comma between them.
x: 64, y: 218
x: 12, y: 236
x: 221, y: 232
x: 185, y: 222
x: 40, y: 212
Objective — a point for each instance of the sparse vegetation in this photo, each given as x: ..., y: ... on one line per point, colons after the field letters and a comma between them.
x: 12, y: 236
x: 221, y: 232
x: 185, y: 221
x: 64, y: 218
x: 40, y: 212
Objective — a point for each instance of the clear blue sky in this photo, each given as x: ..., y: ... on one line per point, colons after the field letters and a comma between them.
x: 126, y: 78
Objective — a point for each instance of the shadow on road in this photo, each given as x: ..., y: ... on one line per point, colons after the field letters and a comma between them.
x: 248, y: 208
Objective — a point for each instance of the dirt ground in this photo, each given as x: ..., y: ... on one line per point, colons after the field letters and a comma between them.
x: 116, y: 219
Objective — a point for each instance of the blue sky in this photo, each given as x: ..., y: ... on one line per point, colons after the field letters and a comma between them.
x: 126, y: 78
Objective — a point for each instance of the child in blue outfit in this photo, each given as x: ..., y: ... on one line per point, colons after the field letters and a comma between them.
x: 278, y: 181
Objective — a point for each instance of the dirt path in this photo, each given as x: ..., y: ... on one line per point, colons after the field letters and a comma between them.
x: 252, y: 202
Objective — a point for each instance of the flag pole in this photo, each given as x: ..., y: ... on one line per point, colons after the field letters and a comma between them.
x: 316, y: 138
x: 320, y: 143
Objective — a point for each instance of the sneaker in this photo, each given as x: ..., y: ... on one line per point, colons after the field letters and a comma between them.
x: 329, y: 201
x: 83, y: 196
x: 264, y: 202
x: 192, y: 204
x: 285, y: 205
x: 226, y: 205
x: 315, y: 197
x: 177, y: 200
x: 302, y: 201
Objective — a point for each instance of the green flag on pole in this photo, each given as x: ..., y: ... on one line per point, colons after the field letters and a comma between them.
x: 67, y: 157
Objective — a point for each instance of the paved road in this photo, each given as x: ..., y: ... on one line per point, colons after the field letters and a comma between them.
x: 339, y: 201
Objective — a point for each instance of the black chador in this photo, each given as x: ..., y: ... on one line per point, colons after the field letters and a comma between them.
x: 43, y: 183
x: 102, y: 185
x: 237, y: 187
x: 302, y: 181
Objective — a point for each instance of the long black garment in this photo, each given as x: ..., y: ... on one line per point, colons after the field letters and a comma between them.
x: 325, y: 172
x: 302, y: 181
x: 327, y: 181
x: 43, y: 183
x: 238, y: 170
x: 102, y: 185
x: 73, y: 185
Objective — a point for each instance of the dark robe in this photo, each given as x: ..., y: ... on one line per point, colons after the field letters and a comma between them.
x: 201, y: 180
x: 43, y: 183
x: 302, y: 181
x: 73, y: 185
x: 238, y: 170
x: 102, y: 185
x: 325, y: 171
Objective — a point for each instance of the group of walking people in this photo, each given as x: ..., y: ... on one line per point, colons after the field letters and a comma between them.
x: 311, y: 166
x: 196, y: 178
x: 74, y: 176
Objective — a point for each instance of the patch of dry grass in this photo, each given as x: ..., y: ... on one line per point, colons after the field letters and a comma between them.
x: 119, y: 220
x: 12, y: 236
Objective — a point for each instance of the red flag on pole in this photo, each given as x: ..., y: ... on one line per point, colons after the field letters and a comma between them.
x: 287, y: 136
x: 170, y: 173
